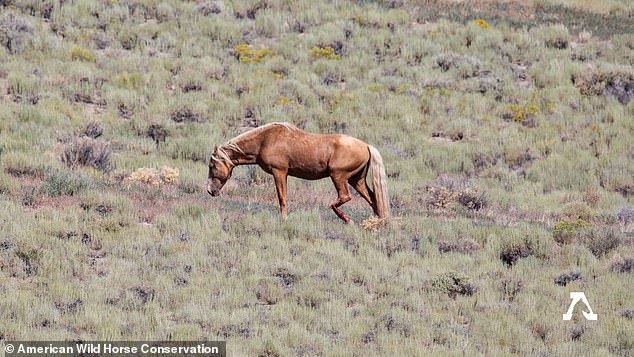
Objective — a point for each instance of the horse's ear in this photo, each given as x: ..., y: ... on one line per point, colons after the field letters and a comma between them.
x: 215, y: 148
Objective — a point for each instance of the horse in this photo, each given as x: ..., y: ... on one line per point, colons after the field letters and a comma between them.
x: 281, y: 149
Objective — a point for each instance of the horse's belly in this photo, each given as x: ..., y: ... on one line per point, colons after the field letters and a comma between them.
x: 308, y: 174
x: 314, y: 173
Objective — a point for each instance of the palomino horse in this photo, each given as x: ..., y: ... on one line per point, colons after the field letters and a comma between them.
x: 282, y: 149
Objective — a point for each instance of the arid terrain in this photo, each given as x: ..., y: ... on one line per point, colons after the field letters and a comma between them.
x: 505, y: 126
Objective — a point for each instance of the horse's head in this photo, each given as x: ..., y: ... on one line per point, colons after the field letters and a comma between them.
x: 220, y: 167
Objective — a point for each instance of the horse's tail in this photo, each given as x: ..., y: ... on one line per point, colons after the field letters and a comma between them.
x: 378, y: 177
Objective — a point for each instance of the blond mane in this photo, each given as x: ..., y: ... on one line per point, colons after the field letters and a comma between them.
x: 222, y: 154
x: 259, y: 129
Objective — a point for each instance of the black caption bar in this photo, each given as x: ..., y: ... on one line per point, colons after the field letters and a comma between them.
x: 115, y: 348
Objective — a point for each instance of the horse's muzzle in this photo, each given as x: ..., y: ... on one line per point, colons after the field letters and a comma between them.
x: 212, y: 190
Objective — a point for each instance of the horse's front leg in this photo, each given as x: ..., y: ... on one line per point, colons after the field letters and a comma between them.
x: 280, y: 185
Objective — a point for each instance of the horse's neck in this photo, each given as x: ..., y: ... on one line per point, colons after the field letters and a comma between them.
x: 248, y: 150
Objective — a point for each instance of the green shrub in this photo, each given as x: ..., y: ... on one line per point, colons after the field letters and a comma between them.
x: 324, y: 52
x: 453, y: 284
x: 554, y: 73
x: 472, y: 199
x: 190, y: 210
x: 268, y: 291
x: 186, y: 115
x: 515, y: 248
x: 20, y: 165
x: 566, y: 232
x: 14, y: 31
x: 600, y: 240
x: 510, y: 288
x: 367, y: 21
x: 29, y: 262
x: 221, y: 31
x: 157, y: 133
x: 567, y: 170
x: 87, y: 152
x: 128, y: 38
x: 30, y: 196
x: 128, y: 80
x: 210, y: 7
x: 513, y: 252
x: 578, y: 210
x: 30, y: 114
x: 22, y: 85
x: 187, y: 150
x: 190, y: 186
x: 616, y: 82
x: 566, y: 278
x: 523, y: 114
x: 554, y: 36
x: 246, y: 54
x: 59, y: 182
x: 464, y: 66
x: 464, y: 246
x: 7, y: 185
x: 81, y: 54
x: 93, y: 129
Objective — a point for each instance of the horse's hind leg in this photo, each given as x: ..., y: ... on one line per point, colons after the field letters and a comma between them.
x: 343, y: 196
x: 358, y: 183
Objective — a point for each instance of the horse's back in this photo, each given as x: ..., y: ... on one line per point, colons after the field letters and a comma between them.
x: 312, y: 156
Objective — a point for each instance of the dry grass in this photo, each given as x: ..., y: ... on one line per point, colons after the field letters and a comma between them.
x: 501, y: 126
x: 374, y: 224
x: 154, y: 177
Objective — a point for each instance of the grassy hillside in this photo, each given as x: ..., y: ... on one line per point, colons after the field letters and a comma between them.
x: 506, y: 128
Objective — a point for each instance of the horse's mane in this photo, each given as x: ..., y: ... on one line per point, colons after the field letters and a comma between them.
x: 259, y: 129
x: 231, y: 144
x: 222, y: 151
